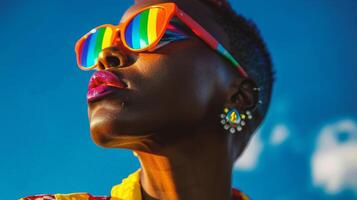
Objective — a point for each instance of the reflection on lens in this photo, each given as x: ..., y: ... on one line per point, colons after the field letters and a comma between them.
x: 145, y: 28
x: 96, y: 41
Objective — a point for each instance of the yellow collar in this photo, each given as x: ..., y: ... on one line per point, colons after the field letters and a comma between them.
x: 129, y: 188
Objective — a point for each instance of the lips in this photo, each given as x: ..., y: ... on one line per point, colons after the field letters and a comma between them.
x: 103, y: 83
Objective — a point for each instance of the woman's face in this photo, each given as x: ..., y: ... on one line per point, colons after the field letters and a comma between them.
x: 175, y: 88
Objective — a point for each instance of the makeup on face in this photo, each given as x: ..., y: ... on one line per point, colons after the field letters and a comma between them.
x: 103, y: 83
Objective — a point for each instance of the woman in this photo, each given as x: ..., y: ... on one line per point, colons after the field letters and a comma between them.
x: 184, y: 84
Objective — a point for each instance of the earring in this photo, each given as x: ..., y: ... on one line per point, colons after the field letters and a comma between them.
x: 234, y: 121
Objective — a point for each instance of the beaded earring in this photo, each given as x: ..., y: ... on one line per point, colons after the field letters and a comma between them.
x: 233, y: 121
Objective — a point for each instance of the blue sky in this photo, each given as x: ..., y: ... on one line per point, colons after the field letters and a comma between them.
x: 304, y: 150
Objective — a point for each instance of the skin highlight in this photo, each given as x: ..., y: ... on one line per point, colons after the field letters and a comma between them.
x: 170, y: 113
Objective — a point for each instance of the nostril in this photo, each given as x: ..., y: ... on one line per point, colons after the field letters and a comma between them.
x: 112, y: 61
x: 101, y: 65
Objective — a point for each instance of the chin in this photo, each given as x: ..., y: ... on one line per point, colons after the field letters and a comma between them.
x: 127, y: 141
x: 110, y: 132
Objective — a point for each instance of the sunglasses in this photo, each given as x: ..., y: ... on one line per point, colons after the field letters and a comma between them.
x: 142, y: 32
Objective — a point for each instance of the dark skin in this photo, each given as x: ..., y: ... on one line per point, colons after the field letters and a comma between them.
x: 170, y: 114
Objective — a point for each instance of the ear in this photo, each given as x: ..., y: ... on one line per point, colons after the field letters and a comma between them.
x: 243, y: 94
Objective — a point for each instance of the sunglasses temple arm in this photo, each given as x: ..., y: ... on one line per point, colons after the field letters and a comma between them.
x: 209, y: 39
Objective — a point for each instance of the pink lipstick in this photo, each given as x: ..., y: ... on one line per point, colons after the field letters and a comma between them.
x: 103, y: 83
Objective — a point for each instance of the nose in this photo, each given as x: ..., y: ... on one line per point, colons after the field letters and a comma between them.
x: 112, y: 57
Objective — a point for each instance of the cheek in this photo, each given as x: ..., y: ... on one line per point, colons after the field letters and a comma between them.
x: 178, y: 88
x: 167, y: 91
x: 201, y: 90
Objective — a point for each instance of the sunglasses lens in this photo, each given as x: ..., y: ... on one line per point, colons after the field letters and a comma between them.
x: 145, y: 28
x: 93, y: 44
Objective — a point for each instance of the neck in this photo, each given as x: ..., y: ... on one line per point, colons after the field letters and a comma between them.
x: 190, y: 169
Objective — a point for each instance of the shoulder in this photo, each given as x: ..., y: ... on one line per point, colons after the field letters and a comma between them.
x: 74, y: 196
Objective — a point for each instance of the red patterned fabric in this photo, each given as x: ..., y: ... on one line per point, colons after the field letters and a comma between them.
x: 237, y: 195
x: 40, y: 197
x: 61, y: 197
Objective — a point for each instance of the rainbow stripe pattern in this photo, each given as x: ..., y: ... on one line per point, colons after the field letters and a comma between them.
x: 142, y: 31
x: 96, y: 41
x: 145, y: 28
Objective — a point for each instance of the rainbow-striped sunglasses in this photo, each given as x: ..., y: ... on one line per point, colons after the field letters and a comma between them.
x: 142, y: 32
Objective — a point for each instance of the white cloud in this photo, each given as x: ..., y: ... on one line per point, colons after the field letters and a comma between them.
x: 334, y: 162
x: 249, y: 158
x: 279, y: 135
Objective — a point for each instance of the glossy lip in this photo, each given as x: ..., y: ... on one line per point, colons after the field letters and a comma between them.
x: 103, y: 83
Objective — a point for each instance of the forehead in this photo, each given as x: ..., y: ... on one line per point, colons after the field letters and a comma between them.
x: 198, y: 11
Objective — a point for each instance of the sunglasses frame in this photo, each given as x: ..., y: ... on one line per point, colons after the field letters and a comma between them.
x: 171, y: 10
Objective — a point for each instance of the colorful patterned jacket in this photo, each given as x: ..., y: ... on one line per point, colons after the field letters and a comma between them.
x: 128, y: 189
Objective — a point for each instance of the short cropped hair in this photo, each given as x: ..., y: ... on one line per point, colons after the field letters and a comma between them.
x: 248, y: 47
